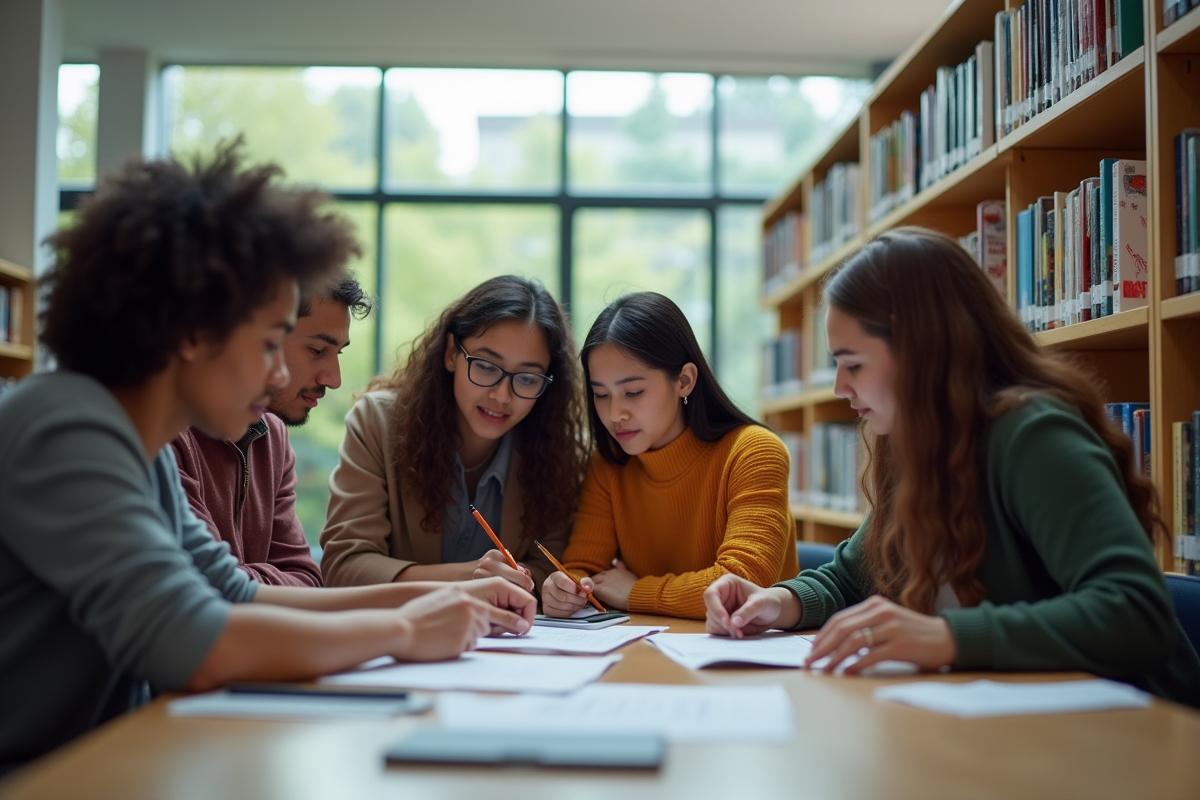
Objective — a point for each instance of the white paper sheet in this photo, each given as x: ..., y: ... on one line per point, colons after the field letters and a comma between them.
x: 485, y: 672
x: 251, y: 706
x: 994, y: 699
x: 699, y: 650
x: 569, y: 641
x: 713, y: 714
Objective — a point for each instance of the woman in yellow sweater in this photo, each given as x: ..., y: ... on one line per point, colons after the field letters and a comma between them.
x: 684, y: 487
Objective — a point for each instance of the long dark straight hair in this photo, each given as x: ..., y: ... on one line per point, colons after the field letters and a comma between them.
x: 424, y: 429
x: 651, y: 328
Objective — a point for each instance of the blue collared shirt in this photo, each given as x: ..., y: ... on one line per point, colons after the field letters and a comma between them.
x: 463, y: 539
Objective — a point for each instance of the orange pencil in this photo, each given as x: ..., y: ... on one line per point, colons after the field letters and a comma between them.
x: 563, y: 570
x: 512, y: 562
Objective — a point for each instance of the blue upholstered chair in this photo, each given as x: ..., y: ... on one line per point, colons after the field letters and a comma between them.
x: 813, y: 555
x: 1185, y: 594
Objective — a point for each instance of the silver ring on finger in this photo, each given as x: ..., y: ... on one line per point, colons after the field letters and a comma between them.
x: 868, y: 636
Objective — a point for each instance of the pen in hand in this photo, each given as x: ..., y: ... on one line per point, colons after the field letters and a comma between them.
x: 512, y: 562
x: 563, y: 570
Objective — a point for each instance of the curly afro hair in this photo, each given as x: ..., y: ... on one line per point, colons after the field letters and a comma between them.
x: 166, y: 252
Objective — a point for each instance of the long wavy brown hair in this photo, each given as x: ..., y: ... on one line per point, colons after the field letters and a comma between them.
x: 424, y: 430
x: 962, y: 359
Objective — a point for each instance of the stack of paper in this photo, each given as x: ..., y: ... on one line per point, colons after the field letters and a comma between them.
x: 992, y: 699
x: 698, y: 650
x: 721, y: 714
x: 255, y: 706
x: 569, y: 641
x: 485, y: 672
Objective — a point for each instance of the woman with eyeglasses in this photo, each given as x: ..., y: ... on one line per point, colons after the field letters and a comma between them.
x: 488, y: 412
x: 684, y: 487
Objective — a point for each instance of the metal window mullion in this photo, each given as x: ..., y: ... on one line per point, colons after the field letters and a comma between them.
x: 381, y: 170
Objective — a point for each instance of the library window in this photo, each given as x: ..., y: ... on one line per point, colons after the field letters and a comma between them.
x: 596, y: 183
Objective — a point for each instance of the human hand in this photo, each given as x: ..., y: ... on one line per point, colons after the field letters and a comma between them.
x: 503, y: 594
x: 445, y: 622
x: 888, y: 631
x: 561, y: 597
x: 738, y: 608
x: 614, y: 585
x: 495, y: 564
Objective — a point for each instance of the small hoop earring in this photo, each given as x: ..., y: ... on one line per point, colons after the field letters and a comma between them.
x: 685, y: 399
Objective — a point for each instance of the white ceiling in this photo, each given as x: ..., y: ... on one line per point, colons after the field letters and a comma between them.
x: 841, y: 37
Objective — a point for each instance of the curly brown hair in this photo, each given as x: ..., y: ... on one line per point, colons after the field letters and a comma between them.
x: 165, y: 252
x: 424, y: 431
x: 962, y: 360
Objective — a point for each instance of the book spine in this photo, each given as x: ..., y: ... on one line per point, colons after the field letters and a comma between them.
x: 1179, y: 495
x: 1106, y: 237
x: 1130, y: 238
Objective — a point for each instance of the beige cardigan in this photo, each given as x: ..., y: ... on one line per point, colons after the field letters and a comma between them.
x: 373, y: 526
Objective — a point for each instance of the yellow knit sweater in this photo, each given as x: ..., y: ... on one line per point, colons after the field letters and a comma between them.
x: 683, y: 516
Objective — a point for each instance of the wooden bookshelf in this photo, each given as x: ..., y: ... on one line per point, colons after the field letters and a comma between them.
x: 16, y: 357
x: 1182, y: 37
x: 1128, y: 330
x: 827, y: 516
x: 1181, y: 307
x: 1132, y: 110
x: 802, y: 400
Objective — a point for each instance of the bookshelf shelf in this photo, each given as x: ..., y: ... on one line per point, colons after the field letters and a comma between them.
x: 1133, y: 110
x: 1128, y: 330
x: 955, y: 195
x: 950, y: 40
x: 795, y: 402
x: 17, y: 352
x: 827, y: 516
x: 1182, y: 307
x: 1181, y: 37
x: 796, y: 286
x: 1086, y: 118
x: 17, y: 273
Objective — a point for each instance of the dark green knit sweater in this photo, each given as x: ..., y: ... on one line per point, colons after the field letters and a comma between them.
x: 1070, y: 579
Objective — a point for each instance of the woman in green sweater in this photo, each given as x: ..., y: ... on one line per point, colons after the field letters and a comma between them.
x: 1009, y: 528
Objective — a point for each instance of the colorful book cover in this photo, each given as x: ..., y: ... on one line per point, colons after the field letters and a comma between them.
x: 993, y: 243
x: 1196, y: 474
x: 1129, y: 25
x: 1104, y: 303
x: 1061, y: 264
x: 1192, y: 166
x: 1181, y: 441
x: 1084, y: 236
x: 1025, y: 267
x: 1131, y: 270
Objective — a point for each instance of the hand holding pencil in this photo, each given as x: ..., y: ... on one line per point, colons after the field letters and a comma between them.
x: 563, y: 594
x: 500, y: 562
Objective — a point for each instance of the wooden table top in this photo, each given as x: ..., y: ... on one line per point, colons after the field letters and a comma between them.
x: 847, y: 745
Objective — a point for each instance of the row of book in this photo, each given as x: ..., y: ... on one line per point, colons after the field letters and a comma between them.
x: 12, y: 314
x: 1082, y: 254
x: 1174, y: 9
x: 836, y: 213
x: 783, y: 369
x: 955, y: 124
x: 1185, y: 446
x: 988, y: 243
x: 1047, y: 49
x: 1134, y: 420
x: 785, y: 247
x: 1187, y: 212
x: 825, y: 466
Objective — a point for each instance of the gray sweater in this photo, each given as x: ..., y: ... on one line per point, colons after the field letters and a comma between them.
x: 107, y: 579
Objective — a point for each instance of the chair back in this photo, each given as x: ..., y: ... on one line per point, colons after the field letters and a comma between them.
x: 813, y: 554
x: 1185, y: 594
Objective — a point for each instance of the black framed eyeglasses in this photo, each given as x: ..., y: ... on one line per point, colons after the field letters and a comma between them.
x: 481, y: 372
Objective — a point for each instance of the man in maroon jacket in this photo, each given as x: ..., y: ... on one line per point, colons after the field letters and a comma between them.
x: 245, y: 491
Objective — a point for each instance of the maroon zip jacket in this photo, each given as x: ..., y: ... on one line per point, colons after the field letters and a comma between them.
x: 245, y: 492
